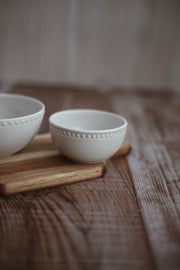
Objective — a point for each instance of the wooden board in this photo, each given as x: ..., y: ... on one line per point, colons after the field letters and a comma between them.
x: 40, y: 165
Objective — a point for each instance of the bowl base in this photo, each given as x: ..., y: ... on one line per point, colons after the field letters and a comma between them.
x: 82, y: 161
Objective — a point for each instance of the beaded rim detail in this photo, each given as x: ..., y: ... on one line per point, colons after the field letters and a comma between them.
x: 9, y: 123
x: 86, y: 135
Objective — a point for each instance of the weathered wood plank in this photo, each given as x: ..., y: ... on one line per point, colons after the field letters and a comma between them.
x: 154, y: 130
x: 94, y: 225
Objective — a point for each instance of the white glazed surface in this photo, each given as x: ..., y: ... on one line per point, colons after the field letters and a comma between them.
x: 20, y: 120
x: 87, y: 136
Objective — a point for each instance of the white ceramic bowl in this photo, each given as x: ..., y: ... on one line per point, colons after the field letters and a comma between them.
x: 87, y: 136
x: 20, y: 119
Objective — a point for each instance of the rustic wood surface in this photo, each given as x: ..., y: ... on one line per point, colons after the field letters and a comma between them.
x: 128, y: 219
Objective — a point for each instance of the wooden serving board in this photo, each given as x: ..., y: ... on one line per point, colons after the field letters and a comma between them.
x: 40, y: 165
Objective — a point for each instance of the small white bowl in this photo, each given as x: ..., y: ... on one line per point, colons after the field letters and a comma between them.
x: 87, y: 136
x: 20, y: 120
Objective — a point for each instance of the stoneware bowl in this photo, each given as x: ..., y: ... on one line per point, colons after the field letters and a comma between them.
x: 87, y: 136
x: 20, y: 119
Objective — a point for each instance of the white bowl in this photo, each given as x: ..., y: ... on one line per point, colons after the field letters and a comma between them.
x: 87, y: 136
x: 20, y: 119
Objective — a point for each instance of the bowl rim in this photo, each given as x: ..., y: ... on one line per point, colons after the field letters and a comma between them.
x: 42, y: 109
x: 90, y: 131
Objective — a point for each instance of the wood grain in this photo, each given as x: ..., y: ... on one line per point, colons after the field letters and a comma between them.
x: 154, y: 130
x: 128, y: 220
x: 38, y: 167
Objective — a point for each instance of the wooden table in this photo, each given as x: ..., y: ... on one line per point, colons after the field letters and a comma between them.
x: 129, y: 219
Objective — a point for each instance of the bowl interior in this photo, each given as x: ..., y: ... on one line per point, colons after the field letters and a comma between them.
x: 87, y: 120
x: 14, y: 106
